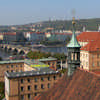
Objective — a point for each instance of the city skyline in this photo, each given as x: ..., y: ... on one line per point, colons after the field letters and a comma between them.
x: 24, y: 11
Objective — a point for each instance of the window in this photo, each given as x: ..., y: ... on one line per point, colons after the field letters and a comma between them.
x: 21, y: 80
x: 35, y: 94
x: 29, y: 96
x: 86, y: 64
x: 20, y: 65
x: 22, y: 88
x: 42, y: 79
x: 22, y: 97
x: 11, y: 70
x: 12, y: 66
x: 48, y: 85
x: 93, y: 64
x: 16, y: 70
x: 48, y: 78
x: 7, y: 71
x: 7, y: 66
x: 35, y: 79
x: 21, y: 70
x: 60, y: 75
x: 28, y: 80
x: 75, y: 56
x: 54, y: 77
x: 29, y: 88
x: 49, y: 63
x: 16, y: 65
x: 42, y: 86
x: 53, y: 63
x: 93, y: 56
x: 35, y: 86
x: 98, y: 63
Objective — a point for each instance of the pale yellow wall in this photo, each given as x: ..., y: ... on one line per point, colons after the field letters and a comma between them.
x: 83, y: 43
x: 28, y: 68
x: 84, y: 58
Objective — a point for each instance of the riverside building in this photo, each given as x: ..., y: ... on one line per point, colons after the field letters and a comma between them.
x: 25, y: 65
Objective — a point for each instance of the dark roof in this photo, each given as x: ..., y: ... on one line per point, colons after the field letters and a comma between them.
x: 41, y: 71
x: 82, y: 85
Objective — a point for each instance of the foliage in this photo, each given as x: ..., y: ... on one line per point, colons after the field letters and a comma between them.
x: 1, y: 90
x: 39, y: 55
x: 60, y: 56
x: 64, y: 70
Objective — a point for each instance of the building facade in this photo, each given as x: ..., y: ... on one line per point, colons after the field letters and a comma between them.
x: 10, y: 66
x: 90, y: 56
x: 29, y: 84
x: 26, y: 65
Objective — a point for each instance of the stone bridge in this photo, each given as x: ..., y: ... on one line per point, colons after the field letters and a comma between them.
x: 17, y: 49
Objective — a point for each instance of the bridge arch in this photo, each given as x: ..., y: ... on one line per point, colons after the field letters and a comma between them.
x: 22, y: 52
x: 5, y: 49
x: 10, y: 49
x: 15, y: 51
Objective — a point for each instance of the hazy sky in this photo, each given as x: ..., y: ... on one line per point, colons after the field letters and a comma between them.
x: 29, y: 11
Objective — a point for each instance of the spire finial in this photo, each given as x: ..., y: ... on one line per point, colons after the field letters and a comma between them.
x: 73, y: 21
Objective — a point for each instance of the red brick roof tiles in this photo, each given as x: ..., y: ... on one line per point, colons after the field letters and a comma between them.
x: 10, y: 33
x: 88, y: 36
x: 92, y: 46
x: 82, y: 85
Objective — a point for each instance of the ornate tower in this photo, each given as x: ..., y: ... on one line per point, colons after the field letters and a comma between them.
x: 73, y: 52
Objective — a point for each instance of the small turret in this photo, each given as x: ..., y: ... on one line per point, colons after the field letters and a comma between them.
x: 73, y: 49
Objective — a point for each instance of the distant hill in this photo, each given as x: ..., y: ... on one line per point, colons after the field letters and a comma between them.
x: 90, y: 24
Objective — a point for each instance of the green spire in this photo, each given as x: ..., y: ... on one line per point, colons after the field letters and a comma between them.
x: 73, y: 42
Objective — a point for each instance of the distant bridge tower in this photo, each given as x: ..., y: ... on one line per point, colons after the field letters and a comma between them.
x: 84, y: 28
x: 99, y: 28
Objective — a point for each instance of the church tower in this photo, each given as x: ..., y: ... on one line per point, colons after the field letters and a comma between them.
x: 73, y: 49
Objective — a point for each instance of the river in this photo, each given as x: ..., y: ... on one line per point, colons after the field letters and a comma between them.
x: 5, y: 55
x: 53, y: 49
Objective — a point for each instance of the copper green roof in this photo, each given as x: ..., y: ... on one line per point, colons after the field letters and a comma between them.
x: 73, y: 42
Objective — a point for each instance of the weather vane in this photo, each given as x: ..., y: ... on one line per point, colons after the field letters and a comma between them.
x: 73, y: 14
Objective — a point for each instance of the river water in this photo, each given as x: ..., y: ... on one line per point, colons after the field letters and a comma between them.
x: 53, y: 49
x: 5, y: 55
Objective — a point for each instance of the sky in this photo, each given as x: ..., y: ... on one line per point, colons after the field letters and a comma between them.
x: 16, y: 12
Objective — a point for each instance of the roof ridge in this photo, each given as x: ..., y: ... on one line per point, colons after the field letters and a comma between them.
x: 89, y: 72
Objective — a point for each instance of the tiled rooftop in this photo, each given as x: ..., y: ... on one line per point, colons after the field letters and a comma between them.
x: 82, y: 85
x: 92, y: 46
x: 88, y: 36
x: 41, y: 71
x: 29, y: 61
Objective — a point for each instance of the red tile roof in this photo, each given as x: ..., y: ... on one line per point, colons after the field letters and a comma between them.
x: 83, y: 85
x: 92, y: 46
x: 10, y: 33
x: 88, y: 36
